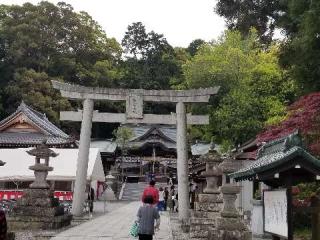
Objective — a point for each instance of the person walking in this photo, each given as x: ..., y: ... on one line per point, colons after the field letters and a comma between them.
x: 151, y: 191
x: 171, y: 198
x: 90, y: 198
x: 161, y: 200
x: 166, y: 196
x: 148, y: 219
x: 3, y: 226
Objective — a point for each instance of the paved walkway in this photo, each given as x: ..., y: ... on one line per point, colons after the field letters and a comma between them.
x: 114, y: 225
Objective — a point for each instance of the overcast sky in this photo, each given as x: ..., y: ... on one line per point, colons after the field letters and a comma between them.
x: 181, y: 21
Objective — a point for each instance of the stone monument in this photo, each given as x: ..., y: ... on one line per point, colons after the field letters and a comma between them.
x: 203, y: 218
x: 38, y: 209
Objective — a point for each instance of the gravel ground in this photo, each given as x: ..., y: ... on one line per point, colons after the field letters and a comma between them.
x: 100, y: 208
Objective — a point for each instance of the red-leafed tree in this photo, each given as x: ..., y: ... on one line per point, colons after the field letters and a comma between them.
x: 303, y: 115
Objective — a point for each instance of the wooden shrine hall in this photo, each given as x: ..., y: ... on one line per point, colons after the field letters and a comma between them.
x: 151, y: 149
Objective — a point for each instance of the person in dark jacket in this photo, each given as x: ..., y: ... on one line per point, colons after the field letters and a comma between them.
x: 3, y: 226
x: 91, y: 198
x: 148, y: 219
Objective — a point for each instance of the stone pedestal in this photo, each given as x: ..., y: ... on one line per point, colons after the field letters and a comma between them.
x: 37, y: 209
x: 229, y: 225
x: 203, y: 218
x: 257, y: 221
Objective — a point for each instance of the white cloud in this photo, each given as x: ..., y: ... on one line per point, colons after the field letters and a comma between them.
x: 181, y: 21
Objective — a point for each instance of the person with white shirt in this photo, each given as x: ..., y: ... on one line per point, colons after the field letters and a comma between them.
x: 161, y: 203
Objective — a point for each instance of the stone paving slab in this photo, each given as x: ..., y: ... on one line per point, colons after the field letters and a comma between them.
x: 114, y: 225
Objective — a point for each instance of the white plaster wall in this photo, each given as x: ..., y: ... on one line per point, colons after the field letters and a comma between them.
x: 257, y: 220
x: 246, y: 193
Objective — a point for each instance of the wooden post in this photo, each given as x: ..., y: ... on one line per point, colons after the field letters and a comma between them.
x: 290, y: 207
x: 315, y: 204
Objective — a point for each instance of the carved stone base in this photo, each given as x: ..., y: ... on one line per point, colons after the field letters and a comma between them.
x: 203, y: 219
x: 37, y: 222
x: 38, y: 209
x: 230, y: 224
x: 231, y: 235
x: 210, y: 198
x: 231, y: 229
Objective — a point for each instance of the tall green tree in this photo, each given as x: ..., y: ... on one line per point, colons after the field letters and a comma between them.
x: 301, y: 51
x: 47, y: 41
x: 194, y: 46
x: 36, y: 90
x: 298, y: 21
x: 151, y: 61
x: 254, y: 88
x: 242, y: 15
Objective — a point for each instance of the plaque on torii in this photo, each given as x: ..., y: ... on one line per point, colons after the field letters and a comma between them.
x: 134, y: 114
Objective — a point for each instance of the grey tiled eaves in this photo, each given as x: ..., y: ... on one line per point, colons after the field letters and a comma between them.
x: 274, y: 154
x: 9, y: 139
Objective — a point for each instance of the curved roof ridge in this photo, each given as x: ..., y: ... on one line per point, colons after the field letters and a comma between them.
x: 44, y: 123
x: 39, y: 119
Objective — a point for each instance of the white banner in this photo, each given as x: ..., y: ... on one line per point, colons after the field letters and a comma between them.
x: 275, y: 212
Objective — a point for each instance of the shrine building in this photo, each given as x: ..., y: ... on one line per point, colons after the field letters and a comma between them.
x: 27, y: 127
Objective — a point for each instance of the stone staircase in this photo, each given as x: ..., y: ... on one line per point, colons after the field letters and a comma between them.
x: 133, y: 191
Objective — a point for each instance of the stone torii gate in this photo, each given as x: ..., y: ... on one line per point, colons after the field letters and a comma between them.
x: 134, y: 114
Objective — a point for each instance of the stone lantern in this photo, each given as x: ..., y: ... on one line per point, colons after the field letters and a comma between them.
x: 213, y: 172
x: 110, y: 179
x: 229, y: 165
x: 203, y: 218
x: 37, y: 208
x: 41, y: 169
x: 230, y: 225
x: 108, y: 193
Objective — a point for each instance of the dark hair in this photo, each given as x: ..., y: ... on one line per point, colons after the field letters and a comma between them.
x: 148, y: 199
x: 172, y: 187
x: 160, y: 189
x: 152, y: 183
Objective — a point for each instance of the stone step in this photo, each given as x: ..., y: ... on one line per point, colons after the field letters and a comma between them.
x: 133, y: 191
x: 202, y: 221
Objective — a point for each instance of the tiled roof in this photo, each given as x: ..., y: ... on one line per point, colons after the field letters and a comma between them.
x: 39, y: 119
x: 48, y: 130
x: 274, y: 154
x: 142, y: 133
x: 246, y: 155
x: 30, y: 139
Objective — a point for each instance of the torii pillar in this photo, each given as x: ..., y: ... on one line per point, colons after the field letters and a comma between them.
x: 134, y: 114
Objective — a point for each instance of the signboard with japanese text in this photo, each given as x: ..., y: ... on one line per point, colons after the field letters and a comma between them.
x: 276, y: 212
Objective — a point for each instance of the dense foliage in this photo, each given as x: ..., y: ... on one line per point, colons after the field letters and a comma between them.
x: 299, y: 23
x: 253, y: 89
x: 302, y: 115
x: 47, y: 41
